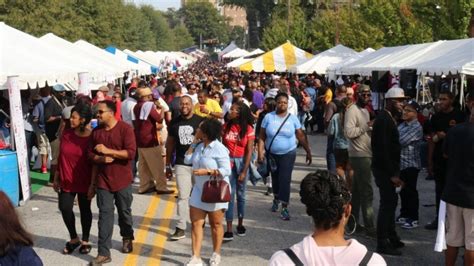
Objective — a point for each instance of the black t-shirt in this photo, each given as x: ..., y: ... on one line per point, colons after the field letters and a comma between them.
x: 52, y: 108
x: 459, y: 147
x: 174, y: 107
x: 443, y: 122
x: 183, y: 130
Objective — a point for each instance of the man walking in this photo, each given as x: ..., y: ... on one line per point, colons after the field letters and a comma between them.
x: 330, y: 109
x: 386, y: 150
x: 181, y: 135
x: 150, y: 162
x: 112, y: 150
x: 459, y: 190
x: 438, y: 126
x: 357, y: 126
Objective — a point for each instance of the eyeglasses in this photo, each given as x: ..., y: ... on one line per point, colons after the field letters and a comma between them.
x: 281, y: 102
x: 366, y: 95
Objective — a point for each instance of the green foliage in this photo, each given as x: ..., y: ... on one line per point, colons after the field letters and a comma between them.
x: 370, y: 23
x: 182, y: 37
x: 237, y: 35
x: 103, y: 23
x: 202, y: 19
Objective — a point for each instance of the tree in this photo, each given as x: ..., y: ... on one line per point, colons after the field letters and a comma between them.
x: 182, y: 37
x: 202, y: 19
x: 162, y: 34
x: 237, y: 34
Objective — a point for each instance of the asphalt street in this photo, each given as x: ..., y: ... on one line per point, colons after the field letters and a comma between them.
x: 154, y: 221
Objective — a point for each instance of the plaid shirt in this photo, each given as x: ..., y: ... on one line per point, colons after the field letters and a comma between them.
x: 411, y: 134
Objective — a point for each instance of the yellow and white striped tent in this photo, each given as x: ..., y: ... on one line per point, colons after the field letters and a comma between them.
x: 280, y: 59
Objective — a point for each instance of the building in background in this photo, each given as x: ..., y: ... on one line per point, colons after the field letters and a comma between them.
x: 237, y: 15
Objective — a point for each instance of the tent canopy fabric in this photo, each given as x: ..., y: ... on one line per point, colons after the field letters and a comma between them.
x: 456, y: 56
x: 336, y: 68
x: 99, y: 71
x: 97, y: 52
x: 320, y: 62
x: 232, y: 46
x: 143, y: 66
x: 236, y: 53
x: 280, y: 59
x: 32, y: 61
x: 441, y: 57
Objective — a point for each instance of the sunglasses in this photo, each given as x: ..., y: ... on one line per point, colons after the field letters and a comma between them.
x: 366, y: 94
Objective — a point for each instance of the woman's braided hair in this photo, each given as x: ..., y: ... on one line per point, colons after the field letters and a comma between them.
x: 324, y: 194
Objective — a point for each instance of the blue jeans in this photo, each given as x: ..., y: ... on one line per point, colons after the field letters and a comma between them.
x: 330, y: 158
x: 239, y: 187
x: 281, y: 178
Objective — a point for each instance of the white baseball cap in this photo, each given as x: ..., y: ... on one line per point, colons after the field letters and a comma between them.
x: 395, y: 93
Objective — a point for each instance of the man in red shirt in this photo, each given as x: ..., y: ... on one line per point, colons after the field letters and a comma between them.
x: 150, y: 163
x: 112, y: 149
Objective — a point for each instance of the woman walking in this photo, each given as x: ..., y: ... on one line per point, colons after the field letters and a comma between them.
x: 209, y: 158
x: 73, y: 177
x: 239, y: 138
x: 277, y: 141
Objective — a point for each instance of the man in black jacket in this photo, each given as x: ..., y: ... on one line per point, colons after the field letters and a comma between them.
x: 386, y: 150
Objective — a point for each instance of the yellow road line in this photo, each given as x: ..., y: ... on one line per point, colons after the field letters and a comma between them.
x: 160, y: 238
x: 142, y: 233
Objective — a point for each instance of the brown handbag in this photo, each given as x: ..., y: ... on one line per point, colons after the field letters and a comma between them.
x: 215, y: 190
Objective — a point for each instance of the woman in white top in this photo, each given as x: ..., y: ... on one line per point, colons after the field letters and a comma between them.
x: 327, y: 201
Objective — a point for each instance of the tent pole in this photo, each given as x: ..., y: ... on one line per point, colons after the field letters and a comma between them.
x: 461, y: 96
x: 423, y: 87
x: 418, y: 88
x: 451, y: 85
x: 19, y: 135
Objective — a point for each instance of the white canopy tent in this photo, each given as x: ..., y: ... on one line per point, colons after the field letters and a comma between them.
x: 232, y: 46
x: 99, y: 71
x: 97, y: 52
x: 32, y: 61
x: 456, y: 56
x: 320, y: 62
x: 141, y: 64
x: 244, y: 59
x: 335, y: 69
x: 236, y: 53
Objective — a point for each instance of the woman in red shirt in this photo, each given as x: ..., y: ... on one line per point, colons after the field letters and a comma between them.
x: 239, y: 138
x: 73, y: 177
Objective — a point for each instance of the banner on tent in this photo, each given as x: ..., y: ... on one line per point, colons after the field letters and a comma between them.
x: 19, y: 134
x: 84, y: 84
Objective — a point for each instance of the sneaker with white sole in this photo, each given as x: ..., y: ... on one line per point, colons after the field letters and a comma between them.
x: 136, y: 180
x: 410, y: 224
x: 178, y: 234
x: 228, y: 236
x: 215, y: 259
x: 241, y: 230
x: 400, y: 220
x: 195, y: 261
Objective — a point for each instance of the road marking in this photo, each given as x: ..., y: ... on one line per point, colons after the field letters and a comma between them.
x: 142, y: 233
x: 160, y: 238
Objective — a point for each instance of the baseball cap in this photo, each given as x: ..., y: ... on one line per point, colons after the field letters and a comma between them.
x: 59, y: 88
x: 395, y: 93
x: 413, y: 104
x: 104, y: 88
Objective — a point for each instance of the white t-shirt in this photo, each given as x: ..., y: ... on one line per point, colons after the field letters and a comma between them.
x: 127, y: 110
x: 292, y: 105
x: 311, y: 254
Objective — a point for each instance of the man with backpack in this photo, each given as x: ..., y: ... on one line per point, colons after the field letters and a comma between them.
x: 39, y: 127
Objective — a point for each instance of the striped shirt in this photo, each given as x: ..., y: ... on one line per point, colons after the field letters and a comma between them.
x: 411, y: 134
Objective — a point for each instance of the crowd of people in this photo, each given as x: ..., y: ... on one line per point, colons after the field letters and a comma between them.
x: 211, y: 123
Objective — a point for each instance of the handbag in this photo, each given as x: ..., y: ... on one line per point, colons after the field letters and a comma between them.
x: 215, y: 190
x: 271, y: 161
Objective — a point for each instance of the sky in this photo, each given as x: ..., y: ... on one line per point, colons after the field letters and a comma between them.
x: 160, y: 4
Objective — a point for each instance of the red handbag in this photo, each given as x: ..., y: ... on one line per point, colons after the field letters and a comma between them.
x: 215, y: 190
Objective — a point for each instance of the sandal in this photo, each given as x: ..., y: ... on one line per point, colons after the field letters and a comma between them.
x: 70, y: 247
x: 85, y: 248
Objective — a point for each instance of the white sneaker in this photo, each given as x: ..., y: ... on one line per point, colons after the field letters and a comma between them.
x: 195, y: 261
x: 136, y: 180
x: 215, y: 259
